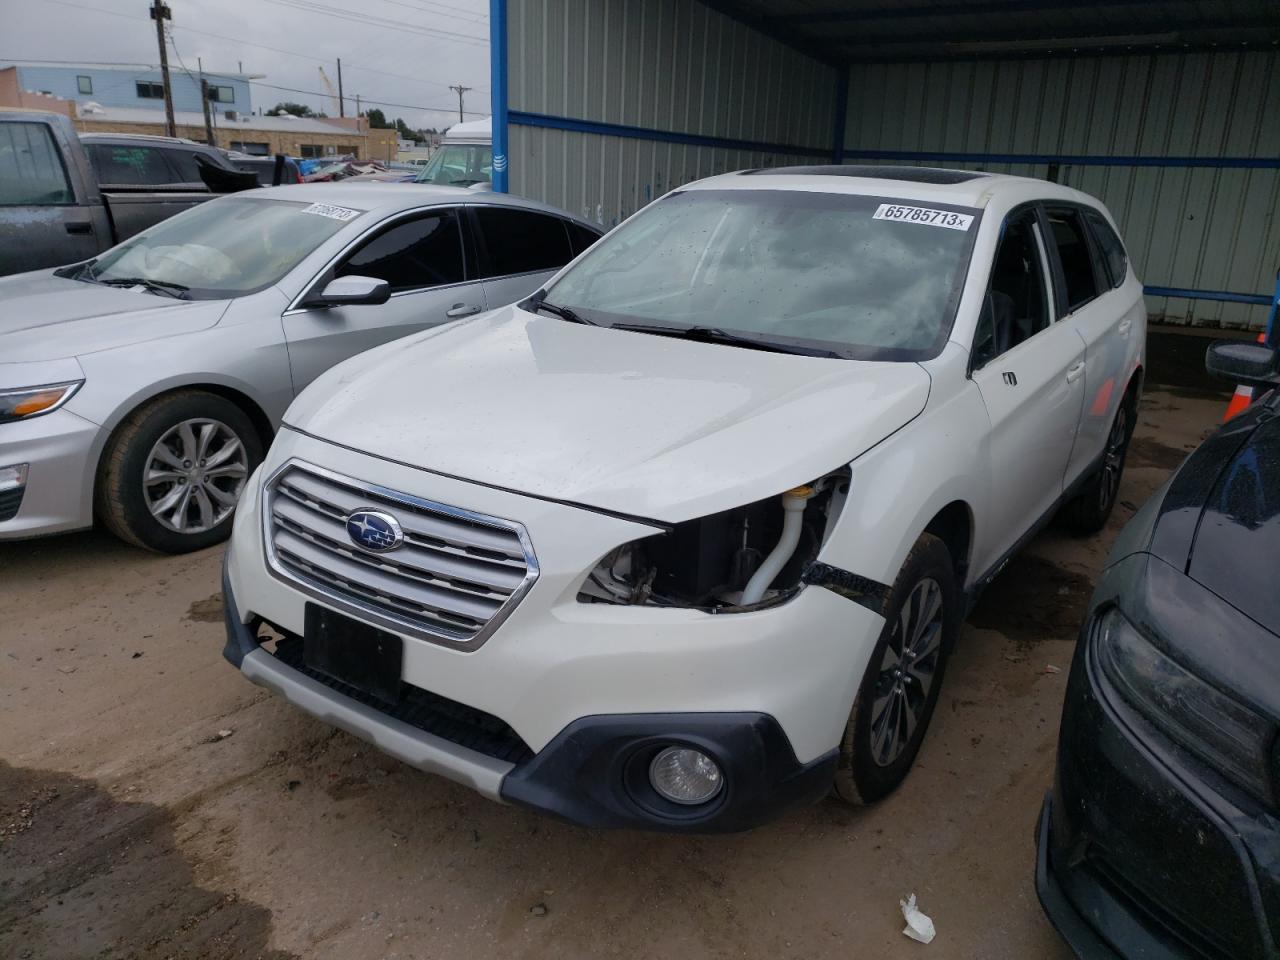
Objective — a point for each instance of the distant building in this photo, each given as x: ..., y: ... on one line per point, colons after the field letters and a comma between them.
x: 136, y: 86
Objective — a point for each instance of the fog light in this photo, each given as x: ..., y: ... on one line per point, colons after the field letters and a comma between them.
x: 685, y: 775
x: 13, y: 478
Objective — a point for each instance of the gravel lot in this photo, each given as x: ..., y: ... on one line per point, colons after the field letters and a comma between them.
x: 154, y: 804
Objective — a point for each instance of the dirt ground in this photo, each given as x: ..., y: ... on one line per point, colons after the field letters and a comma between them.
x: 154, y: 804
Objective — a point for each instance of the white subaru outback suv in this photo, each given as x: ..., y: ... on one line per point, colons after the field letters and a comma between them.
x: 687, y: 537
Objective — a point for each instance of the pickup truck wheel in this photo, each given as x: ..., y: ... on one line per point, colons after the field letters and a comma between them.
x: 900, y: 690
x: 172, y: 472
x: 1087, y: 512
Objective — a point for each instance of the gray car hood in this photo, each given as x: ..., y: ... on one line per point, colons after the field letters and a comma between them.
x: 627, y: 422
x: 45, y: 317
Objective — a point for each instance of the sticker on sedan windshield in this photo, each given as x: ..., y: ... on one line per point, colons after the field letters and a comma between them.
x: 926, y: 215
x: 333, y: 213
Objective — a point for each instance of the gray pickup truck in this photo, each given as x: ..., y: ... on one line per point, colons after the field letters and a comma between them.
x: 65, y: 198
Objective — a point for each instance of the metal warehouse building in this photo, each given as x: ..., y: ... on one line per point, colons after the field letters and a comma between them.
x: 1167, y: 111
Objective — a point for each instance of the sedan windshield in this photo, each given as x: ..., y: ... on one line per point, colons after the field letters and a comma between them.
x: 223, y: 248
x: 862, y: 277
x: 459, y: 165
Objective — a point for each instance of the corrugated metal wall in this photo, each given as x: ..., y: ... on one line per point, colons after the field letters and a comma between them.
x: 1202, y: 228
x: 665, y: 65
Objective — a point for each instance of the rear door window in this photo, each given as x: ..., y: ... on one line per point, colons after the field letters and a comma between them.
x: 185, y: 163
x: 581, y: 238
x: 413, y: 255
x: 1071, y: 244
x: 130, y: 166
x: 31, y: 170
x: 522, y: 241
x: 1114, y: 258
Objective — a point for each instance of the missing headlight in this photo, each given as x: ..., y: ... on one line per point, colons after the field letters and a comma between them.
x: 708, y: 562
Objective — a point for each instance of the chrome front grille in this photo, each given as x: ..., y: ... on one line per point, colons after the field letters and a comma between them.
x: 454, y: 578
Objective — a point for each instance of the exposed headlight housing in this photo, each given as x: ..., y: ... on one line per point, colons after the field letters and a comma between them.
x: 28, y: 402
x: 707, y: 563
x: 1224, y: 733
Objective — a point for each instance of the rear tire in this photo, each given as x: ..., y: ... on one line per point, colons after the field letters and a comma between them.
x: 1087, y: 512
x: 172, y: 471
x: 896, y: 699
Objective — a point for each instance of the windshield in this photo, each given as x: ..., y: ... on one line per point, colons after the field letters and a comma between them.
x: 459, y: 165
x: 865, y: 277
x: 223, y: 248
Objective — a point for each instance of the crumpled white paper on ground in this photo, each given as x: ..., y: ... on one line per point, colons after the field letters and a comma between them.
x: 919, y: 927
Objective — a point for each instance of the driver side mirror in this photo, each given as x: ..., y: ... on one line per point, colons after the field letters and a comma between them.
x: 350, y: 292
x: 1250, y: 364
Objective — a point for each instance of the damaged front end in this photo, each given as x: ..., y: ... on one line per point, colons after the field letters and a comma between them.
x: 748, y: 558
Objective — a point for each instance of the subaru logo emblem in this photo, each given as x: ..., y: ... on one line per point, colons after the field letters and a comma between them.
x: 374, y: 530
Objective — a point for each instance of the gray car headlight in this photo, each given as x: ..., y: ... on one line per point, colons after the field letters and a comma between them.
x: 28, y: 402
x: 1221, y: 731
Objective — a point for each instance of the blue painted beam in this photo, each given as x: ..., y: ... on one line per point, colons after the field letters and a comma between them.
x: 1084, y: 160
x: 1181, y: 293
x: 524, y: 118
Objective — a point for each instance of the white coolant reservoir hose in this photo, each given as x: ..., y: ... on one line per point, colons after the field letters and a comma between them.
x: 793, y: 502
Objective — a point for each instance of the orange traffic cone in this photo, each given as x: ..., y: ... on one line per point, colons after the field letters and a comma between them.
x: 1243, y: 396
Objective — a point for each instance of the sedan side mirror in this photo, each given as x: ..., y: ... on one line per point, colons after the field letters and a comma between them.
x: 352, y: 291
x: 1250, y: 364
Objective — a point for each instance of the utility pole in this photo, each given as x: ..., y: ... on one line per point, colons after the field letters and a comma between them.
x: 461, y: 90
x: 160, y: 13
x: 342, y: 110
x: 357, y: 108
x: 208, y: 121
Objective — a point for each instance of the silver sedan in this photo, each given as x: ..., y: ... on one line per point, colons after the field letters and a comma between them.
x: 141, y: 388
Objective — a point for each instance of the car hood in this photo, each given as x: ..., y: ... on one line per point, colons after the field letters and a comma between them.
x: 1240, y: 525
x: 634, y: 423
x: 45, y: 317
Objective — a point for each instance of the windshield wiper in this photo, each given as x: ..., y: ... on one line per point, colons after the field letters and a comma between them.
x: 716, y: 335
x: 564, y: 313
x: 175, y: 290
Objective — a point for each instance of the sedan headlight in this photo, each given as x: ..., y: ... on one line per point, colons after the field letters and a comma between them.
x: 1221, y: 731
x: 28, y: 402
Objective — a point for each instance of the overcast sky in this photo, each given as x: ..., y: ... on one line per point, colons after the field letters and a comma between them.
x: 403, y: 52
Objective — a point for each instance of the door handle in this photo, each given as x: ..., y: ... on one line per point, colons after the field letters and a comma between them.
x: 1124, y: 327
x: 461, y: 310
x: 1075, y: 371
x: 85, y: 227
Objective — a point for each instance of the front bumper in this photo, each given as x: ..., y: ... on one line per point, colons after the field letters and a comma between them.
x: 1142, y: 852
x: 60, y: 449
x: 580, y: 687
x: 590, y: 773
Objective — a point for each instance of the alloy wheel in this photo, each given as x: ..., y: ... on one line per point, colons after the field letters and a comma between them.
x: 194, y: 475
x: 907, y: 672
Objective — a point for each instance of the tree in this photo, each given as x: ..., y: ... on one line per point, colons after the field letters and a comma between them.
x: 405, y: 133
x: 377, y: 119
x: 297, y: 109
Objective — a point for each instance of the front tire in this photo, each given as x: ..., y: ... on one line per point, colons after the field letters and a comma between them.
x: 900, y: 689
x: 173, y: 470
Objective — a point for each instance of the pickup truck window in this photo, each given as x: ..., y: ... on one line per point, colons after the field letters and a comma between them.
x: 31, y: 171
x: 131, y: 166
x: 867, y: 278
x: 228, y: 247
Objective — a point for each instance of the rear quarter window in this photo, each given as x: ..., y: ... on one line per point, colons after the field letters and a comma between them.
x: 1114, y: 258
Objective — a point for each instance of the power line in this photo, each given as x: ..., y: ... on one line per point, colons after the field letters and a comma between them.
x: 247, y: 43
x: 380, y: 103
x: 438, y: 10
x: 311, y: 6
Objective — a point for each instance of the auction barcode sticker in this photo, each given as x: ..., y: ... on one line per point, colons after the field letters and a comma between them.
x: 925, y: 215
x: 334, y: 213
